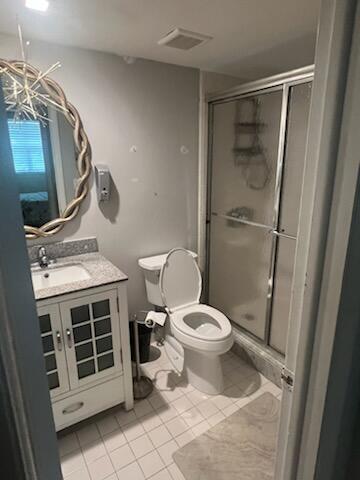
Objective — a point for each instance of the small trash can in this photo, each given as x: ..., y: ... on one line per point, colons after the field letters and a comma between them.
x: 144, y: 341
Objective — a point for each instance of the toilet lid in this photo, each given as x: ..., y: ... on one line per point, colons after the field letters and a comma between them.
x: 180, y: 280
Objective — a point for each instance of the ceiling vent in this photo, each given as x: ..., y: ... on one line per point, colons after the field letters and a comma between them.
x: 183, y: 39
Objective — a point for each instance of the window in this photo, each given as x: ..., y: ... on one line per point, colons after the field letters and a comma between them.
x: 27, y: 146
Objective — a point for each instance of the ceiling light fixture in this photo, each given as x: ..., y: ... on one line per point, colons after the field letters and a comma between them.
x: 39, y: 5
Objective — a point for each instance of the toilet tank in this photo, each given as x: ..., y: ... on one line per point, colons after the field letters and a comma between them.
x: 151, y: 267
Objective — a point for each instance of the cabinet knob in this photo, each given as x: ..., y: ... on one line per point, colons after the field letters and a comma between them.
x: 58, y: 340
x: 68, y: 336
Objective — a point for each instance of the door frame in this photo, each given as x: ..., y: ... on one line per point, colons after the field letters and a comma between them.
x: 26, y: 409
x: 333, y: 146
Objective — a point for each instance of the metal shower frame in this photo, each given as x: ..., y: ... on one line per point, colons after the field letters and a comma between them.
x: 282, y: 82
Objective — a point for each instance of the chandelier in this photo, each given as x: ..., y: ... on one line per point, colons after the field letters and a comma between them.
x: 24, y: 94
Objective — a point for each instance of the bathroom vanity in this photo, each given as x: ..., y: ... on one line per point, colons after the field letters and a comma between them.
x: 83, y: 316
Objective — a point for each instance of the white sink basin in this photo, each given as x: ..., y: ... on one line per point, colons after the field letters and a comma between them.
x: 54, y: 276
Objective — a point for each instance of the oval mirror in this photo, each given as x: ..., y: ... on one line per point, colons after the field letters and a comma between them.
x: 50, y: 149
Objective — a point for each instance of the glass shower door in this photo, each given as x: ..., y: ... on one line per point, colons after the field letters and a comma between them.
x: 244, y: 154
x: 294, y: 159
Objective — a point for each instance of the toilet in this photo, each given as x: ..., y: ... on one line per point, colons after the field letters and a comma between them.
x: 198, y: 332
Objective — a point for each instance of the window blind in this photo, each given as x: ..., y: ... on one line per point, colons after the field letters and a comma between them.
x: 26, y: 145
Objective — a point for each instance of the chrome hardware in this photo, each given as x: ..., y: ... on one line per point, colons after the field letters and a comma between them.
x: 241, y: 220
x: 58, y: 340
x: 42, y: 257
x: 282, y: 235
x: 287, y: 378
x: 73, y: 408
x: 68, y: 336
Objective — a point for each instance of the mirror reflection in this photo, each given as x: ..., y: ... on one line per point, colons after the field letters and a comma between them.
x: 44, y: 156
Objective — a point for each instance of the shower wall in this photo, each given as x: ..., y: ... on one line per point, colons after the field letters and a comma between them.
x: 255, y: 180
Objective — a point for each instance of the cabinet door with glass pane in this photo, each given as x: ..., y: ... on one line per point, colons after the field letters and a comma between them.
x: 92, y: 337
x: 54, y: 349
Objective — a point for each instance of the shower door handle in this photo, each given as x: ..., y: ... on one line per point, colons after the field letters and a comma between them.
x: 242, y: 221
x: 283, y: 235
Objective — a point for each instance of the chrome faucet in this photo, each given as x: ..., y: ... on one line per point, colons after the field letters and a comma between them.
x: 42, y: 257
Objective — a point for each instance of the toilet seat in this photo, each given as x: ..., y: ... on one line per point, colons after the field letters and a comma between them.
x: 218, y: 325
x: 203, y: 328
x: 197, y: 326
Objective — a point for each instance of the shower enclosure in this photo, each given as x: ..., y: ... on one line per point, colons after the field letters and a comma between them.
x: 257, y: 141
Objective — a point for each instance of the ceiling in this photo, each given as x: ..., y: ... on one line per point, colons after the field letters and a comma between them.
x: 252, y: 38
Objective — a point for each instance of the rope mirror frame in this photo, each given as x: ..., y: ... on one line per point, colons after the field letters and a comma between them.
x: 82, y: 145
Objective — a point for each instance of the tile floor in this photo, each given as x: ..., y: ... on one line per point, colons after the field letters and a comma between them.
x: 139, y: 444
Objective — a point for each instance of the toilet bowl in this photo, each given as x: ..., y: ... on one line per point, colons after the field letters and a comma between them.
x: 204, y: 332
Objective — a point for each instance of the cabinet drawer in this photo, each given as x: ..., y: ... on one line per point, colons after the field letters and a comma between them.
x: 89, y: 402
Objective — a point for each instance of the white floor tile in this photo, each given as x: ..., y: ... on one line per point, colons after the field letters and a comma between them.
x: 200, y: 428
x: 272, y: 388
x: 177, y: 426
x: 151, y: 464
x: 215, y: 419
x: 141, y: 446
x: 243, y: 401
x: 230, y: 410
x: 175, y: 472
x: 163, y: 475
x: 142, y: 408
x: 107, y: 424
x: 157, y: 400
x: 114, y: 440
x: 173, y: 415
x: 133, y: 430
x: 192, y: 417
x: 172, y: 395
x: 88, y: 434
x: 252, y: 383
x: 159, y: 436
x: 101, y: 468
x: 197, y: 397
x: 124, y: 418
x: 163, y: 383
x: 233, y: 393
x: 166, y: 451
x: 182, y: 404
x: 185, y: 438
x: 121, y: 457
x: 221, y: 402
x: 167, y: 413
x: 72, y: 462
x: 82, y: 474
x: 93, y: 451
x: 68, y: 444
x: 185, y: 386
x: 131, y: 472
x: 150, y: 421
x: 207, y: 408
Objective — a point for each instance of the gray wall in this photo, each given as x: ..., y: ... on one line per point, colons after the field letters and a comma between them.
x: 153, y: 106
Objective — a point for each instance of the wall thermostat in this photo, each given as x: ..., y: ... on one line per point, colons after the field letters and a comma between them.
x: 102, y: 179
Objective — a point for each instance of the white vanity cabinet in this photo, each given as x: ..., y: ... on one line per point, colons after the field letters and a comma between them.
x: 85, y: 338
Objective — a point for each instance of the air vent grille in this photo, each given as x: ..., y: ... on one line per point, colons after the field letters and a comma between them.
x: 183, y: 39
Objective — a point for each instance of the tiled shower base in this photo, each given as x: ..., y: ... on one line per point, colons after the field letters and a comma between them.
x: 138, y: 445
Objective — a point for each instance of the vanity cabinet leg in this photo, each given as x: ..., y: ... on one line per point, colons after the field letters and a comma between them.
x: 129, y: 404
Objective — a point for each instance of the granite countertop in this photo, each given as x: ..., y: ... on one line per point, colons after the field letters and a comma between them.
x: 101, y: 271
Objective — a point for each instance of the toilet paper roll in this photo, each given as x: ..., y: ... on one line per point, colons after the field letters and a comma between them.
x: 155, y: 318
x: 149, y: 322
